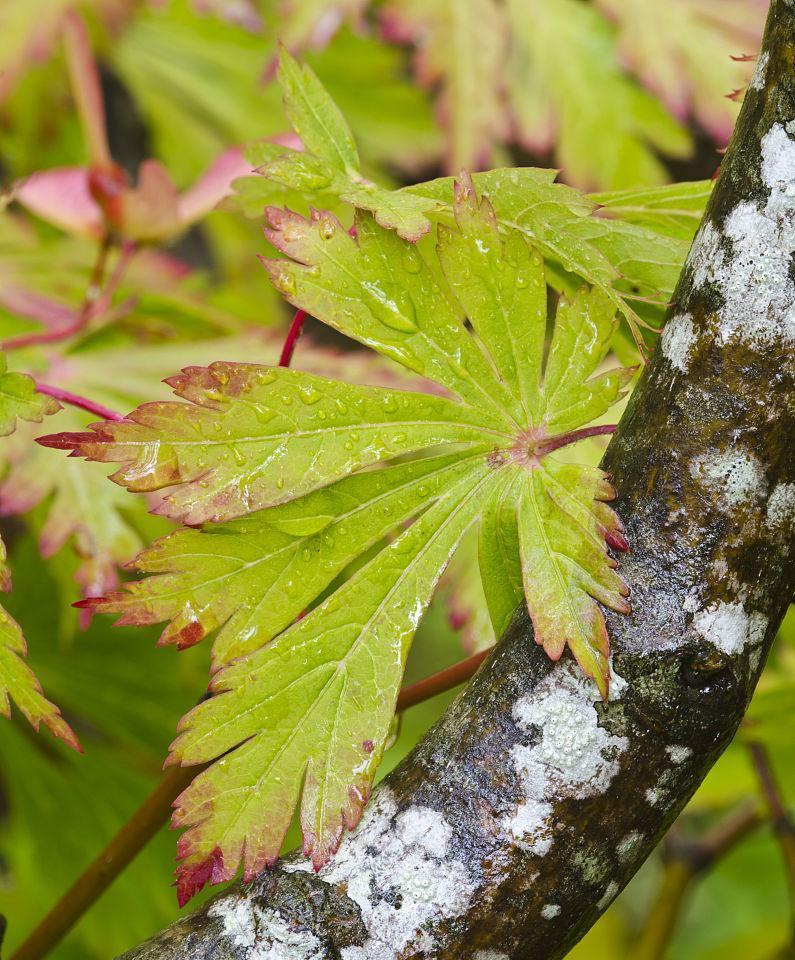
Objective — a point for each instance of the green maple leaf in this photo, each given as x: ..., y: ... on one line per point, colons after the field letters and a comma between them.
x: 627, y: 254
x: 675, y: 210
x: 605, y: 140
x: 17, y: 680
x: 682, y: 51
x: 102, y: 523
x: 286, y: 464
x: 331, y: 160
x: 461, y: 50
x: 20, y: 401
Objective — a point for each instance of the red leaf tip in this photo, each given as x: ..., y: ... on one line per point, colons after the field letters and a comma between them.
x: 192, y: 878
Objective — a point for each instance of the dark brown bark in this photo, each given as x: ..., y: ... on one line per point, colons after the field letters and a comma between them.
x: 528, y: 807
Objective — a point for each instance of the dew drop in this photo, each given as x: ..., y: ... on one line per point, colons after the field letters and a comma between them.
x: 411, y: 262
x: 286, y: 283
x: 263, y: 414
x: 327, y: 229
x: 239, y: 456
x: 309, y: 395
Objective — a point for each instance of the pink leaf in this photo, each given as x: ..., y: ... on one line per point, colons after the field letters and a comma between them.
x: 61, y: 196
x: 213, y: 185
x: 150, y: 210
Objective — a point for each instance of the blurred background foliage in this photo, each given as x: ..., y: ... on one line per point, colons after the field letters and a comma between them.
x: 618, y: 93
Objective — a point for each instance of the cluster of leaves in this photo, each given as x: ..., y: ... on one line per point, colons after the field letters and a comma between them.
x: 495, y: 66
x: 500, y: 76
x: 276, y: 461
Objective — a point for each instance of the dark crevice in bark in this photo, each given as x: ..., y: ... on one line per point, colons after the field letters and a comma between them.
x: 527, y: 808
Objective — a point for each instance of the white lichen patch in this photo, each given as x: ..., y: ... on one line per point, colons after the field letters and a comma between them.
x: 653, y: 796
x: 629, y: 845
x: 758, y: 79
x: 550, y: 910
x: 735, y: 477
x: 780, y: 515
x: 678, y: 753
x: 730, y: 627
x: 572, y: 757
x: 609, y: 896
x: 752, y: 271
x: 705, y: 253
x: 618, y: 685
x: 260, y: 933
x: 399, y: 869
x: 491, y: 955
x: 677, y: 341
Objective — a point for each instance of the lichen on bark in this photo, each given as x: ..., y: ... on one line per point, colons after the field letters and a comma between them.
x: 526, y: 809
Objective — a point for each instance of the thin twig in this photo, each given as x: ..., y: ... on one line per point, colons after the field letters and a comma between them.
x: 94, y: 287
x: 98, y: 876
x: 155, y: 811
x: 95, y: 302
x: 780, y: 817
x: 75, y: 400
x: 686, y: 859
x: 440, y: 682
x: 128, y: 250
x: 292, y: 337
x: 564, y: 439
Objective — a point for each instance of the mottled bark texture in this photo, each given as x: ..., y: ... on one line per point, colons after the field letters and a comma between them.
x: 527, y: 808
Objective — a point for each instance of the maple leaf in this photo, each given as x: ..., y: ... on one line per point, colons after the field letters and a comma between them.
x: 81, y: 506
x: 674, y: 210
x: 330, y: 162
x: 460, y: 48
x: 606, y: 140
x: 20, y: 401
x: 98, y: 518
x: 482, y: 54
x: 312, y: 23
x: 628, y: 256
x: 682, y: 51
x: 17, y: 680
x: 303, y: 704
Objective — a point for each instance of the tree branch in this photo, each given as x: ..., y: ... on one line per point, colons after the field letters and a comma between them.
x: 525, y: 810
